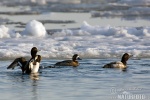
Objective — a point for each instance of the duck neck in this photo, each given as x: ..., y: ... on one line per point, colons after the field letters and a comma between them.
x: 73, y: 59
x: 124, y: 62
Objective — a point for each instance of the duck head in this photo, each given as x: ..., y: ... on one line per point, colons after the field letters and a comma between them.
x: 76, y: 57
x: 125, y: 58
x: 34, y: 51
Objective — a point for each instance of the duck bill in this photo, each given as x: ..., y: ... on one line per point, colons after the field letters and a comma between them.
x: 38, y: 50
x: 130, y: 56
x: 79, y: 58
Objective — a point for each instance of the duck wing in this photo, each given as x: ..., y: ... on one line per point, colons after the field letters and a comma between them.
x: 117, y: 64
x: 64, y: 63
x: 17, y: 62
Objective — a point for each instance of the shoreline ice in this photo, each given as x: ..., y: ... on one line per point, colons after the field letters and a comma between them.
x: 88, y: 41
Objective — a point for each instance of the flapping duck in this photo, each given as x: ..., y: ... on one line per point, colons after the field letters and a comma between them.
x: 31, y: 66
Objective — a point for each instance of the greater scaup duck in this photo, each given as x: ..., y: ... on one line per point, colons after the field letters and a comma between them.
x: 119, y: 64
x: 31, y: 66
x: 72, y: 62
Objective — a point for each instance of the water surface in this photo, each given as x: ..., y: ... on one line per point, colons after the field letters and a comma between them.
x: 88, y: 81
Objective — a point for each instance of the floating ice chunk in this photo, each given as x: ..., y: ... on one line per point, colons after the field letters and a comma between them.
x: 146, y: 32
x: 35, y: 28
x: 135, y: 2
x: 5, y: 32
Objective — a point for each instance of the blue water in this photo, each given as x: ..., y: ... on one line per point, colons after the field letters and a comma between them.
x: 89, y: 81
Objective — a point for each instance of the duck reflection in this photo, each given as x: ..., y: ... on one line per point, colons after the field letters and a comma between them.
x: 34, y: 76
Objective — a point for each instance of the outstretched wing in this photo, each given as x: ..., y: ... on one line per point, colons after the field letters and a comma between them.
x: 17, y: 62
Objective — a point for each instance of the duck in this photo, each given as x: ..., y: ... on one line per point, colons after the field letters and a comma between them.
x: 30, y: 66
x: 72, y: 62
x: 119, y: 64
